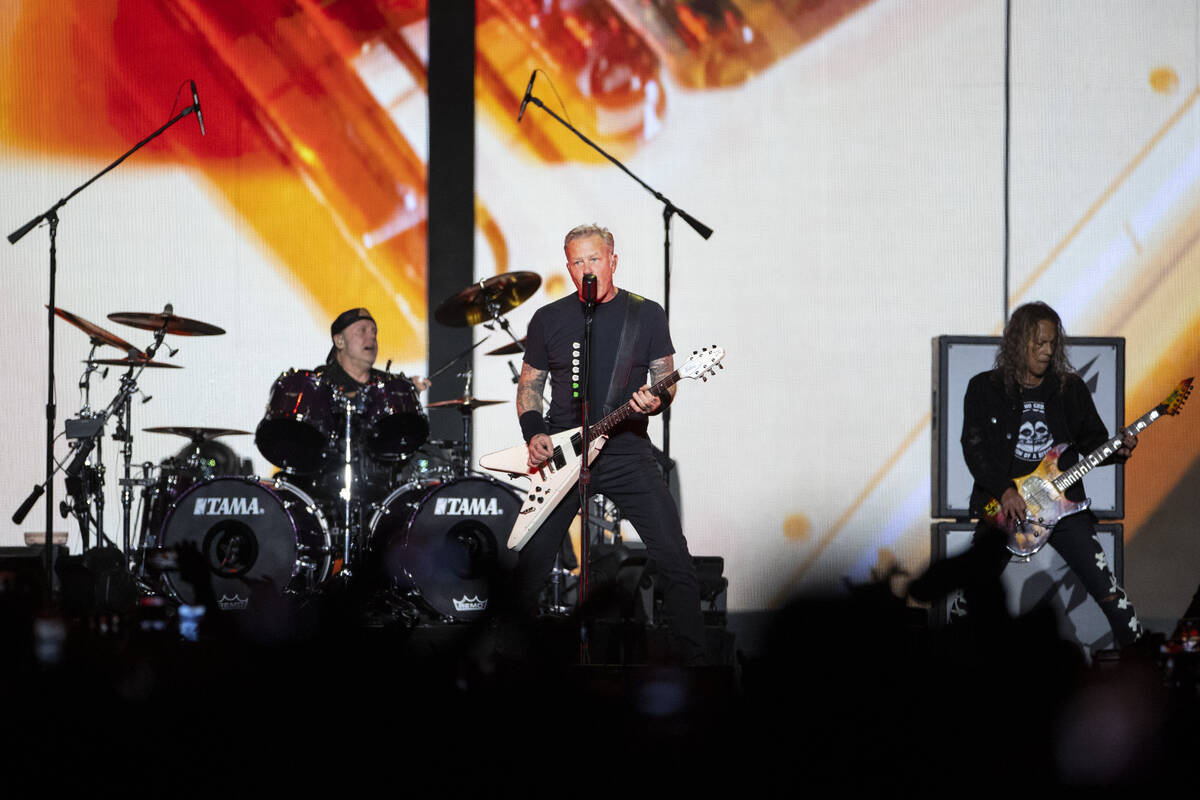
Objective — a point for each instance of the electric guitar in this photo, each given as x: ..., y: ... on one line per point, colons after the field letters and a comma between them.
x: 1042, y: 490
x: 558, y: 475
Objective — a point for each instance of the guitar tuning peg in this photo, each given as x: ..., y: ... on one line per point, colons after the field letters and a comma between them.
x: 703, y: 378
x: 720, y: 366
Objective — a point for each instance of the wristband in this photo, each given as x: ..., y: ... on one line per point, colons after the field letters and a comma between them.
x: 664, y: 399
x: 533, y: 423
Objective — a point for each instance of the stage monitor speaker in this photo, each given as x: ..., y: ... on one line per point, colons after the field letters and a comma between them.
x: 1043, y: 580
x: 23, y: 572
x: 956, y: 359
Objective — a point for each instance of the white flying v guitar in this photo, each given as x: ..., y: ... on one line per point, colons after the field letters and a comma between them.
x: 553, y: 479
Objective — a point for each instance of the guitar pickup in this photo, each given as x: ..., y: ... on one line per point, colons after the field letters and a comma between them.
x: 559, y: 459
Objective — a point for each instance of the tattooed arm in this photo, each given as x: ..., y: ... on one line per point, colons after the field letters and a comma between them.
x: 529, y: 389
x: 529, y: 398
x: 647, y: 403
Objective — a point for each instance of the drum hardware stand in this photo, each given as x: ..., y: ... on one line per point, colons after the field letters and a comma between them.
x: 456, y: 359
x: 90, y: 434
x: 50, y: 216
x: 558, y: 581
x: 347, y: 492
x: 464, y: 450
x: 493, y: 309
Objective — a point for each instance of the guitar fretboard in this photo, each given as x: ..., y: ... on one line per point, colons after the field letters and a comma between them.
x: 1098, y: 456
x: 617, y: 417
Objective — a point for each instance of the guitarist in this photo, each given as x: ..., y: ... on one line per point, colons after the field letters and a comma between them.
x: 630, y: 338
x: 1012, y: 416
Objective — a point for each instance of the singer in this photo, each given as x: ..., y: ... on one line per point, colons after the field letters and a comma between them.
x: 630, y: 339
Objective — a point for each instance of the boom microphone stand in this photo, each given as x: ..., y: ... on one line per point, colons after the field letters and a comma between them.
x: 669, y: 210
x: 51, y: 218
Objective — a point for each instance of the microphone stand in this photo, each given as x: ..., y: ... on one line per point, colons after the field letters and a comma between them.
x: 51, y: 218
x: 669, y: 210
x: 585, y: 471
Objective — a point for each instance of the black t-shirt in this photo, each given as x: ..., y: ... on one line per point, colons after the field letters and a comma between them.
x: 333, y: 374
x: 554, y: 342
x: 1034, y: 438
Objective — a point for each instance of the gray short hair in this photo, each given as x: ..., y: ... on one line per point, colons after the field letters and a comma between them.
x: 586, y: 231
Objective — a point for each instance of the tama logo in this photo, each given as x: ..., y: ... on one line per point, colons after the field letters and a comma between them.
x: 235, y: 603
x: 227, y: 506
x: 470, y: 604
x: 467, y: 506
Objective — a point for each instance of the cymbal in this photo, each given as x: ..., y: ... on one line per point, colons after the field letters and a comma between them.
x: 98, y: 334
x: 132, y: 362
x: 464, y: 403
x: 470, y: 306
x: 509, y: 349
x: 179, y: 326
x: 197, y: 434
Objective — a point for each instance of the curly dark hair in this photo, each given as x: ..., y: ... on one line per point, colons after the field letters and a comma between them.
x: 1011, y: 358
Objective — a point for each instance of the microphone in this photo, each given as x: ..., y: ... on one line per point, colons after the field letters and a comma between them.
x: 19, y: 517
x: 196, y: 105
x: 528, y: 94
x: 588, y: 291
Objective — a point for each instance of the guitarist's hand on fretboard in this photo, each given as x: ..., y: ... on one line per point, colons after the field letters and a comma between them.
x: 1128, y: 442
x: 644, y: 402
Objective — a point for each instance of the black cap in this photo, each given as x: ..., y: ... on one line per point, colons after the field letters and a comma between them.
x: 347, y: 318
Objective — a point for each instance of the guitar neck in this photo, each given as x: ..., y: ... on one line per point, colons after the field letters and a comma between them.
x: 1097, y: 456
x: 617, y: 417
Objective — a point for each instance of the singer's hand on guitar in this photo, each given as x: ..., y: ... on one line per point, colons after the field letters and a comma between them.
x: 1128, y: 443
x: 644, y: 402
x: 540, y: 450
x: 1012, y: 508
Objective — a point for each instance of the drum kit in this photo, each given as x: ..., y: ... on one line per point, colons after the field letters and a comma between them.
x: 361, y: 489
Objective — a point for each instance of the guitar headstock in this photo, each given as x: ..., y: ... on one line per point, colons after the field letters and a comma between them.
x: 702, y: 363
x: 1175, y: 400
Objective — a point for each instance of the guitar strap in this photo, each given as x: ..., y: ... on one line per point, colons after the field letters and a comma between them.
x: 624, y: 362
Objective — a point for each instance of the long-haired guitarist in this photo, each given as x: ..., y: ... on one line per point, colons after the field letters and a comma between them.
x: 630, y: 340
x: 1012, y: 416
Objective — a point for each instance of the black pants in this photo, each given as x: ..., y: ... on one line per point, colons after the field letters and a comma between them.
x: 634, y: 483
x: 1075, y: 539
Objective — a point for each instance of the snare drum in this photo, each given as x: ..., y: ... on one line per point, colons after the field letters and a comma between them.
x: 248, y: 530
x: 395, y: 422
x: 447, y: 545
x: 300, y: 418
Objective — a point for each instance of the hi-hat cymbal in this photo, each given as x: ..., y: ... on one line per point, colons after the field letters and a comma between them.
x: 512, y: 348
x: 98, y: 334
x: 132, y: 362
x: 464, y: 403
x: 470, y: 306
x: 179, y: 326
x: 197, y: 434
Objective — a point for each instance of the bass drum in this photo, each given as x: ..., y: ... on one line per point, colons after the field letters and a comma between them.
x: 448, y: 545
x: 248, y: 532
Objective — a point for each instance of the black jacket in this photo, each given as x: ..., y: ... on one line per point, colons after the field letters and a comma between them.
x: 992, y: 417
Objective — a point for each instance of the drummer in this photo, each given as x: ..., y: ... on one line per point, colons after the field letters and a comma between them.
x: 349, y: 368
x: 350, y: 363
